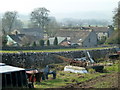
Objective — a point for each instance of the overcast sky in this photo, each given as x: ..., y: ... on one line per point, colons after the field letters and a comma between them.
x: 80, y: 9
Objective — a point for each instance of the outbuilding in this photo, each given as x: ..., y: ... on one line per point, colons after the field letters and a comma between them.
x: 13, y: 77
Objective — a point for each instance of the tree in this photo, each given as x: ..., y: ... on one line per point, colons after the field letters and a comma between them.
x: 34, y: 44
x: 0, y: 25
x: 55, y: 41
x: 17, y: 24
x: 4, y: 40
x: 41, y: 42
x: 116, y: 18
x: 48, y: 42
x: 52, y: 27
x: 115, y: 37
x: 10, y: 21
x: 39, y: 17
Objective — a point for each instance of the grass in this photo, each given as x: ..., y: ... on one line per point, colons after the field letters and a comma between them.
x: 103, y: 85
x: 53, y: 50
x: 64, y: 78
x: 113, y: 68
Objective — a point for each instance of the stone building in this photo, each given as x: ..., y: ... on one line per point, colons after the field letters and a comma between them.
x: 84, y: 38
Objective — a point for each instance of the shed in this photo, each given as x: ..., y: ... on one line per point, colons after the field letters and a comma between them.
x: 13, y: 77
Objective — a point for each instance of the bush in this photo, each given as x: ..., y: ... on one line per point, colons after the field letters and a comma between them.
x: 48, y: 43
x: 41, y: 42
x: 90, y: 70
x: 55, y: 41
x: 4, y: 40
x: 34, y: 44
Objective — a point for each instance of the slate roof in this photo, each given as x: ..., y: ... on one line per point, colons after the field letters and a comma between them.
x: 17, y: 38
x: 100, y: 29
x: 22, y: 38
x: 32, y: 31
x: 75, y: 36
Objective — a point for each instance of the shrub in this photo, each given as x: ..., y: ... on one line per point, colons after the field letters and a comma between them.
x: 41, y: 42
x: 55, y: 41
x: 48, y: 43
x: 34, y: 44
x: 91, y: 70
x: 4, y: 40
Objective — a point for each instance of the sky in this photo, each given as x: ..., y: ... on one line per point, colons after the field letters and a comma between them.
x: 78, y: 9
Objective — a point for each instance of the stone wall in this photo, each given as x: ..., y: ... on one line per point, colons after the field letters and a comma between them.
x: 35, y: 60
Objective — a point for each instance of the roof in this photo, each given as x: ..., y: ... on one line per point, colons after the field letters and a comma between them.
x: 6, y: 68
x: 17, y: 38
x: 75, y: 36
x: 23, y: 39
x: 32, y: 31
x: 99, y: 29
x: 60, y: 39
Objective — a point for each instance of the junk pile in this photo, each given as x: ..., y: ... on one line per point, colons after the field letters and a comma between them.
x: 79, y: 65
x: 36, y: 75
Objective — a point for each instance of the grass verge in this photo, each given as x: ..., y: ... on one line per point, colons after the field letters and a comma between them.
x: 54, y: 50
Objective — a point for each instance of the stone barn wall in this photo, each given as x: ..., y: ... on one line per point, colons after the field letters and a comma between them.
x: 35, y: 60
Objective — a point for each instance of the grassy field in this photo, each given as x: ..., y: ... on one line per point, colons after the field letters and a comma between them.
x: 53, y: 50
x: 65, y: 78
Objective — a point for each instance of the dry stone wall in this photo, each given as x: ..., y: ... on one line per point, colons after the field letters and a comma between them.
x: 36, y: 60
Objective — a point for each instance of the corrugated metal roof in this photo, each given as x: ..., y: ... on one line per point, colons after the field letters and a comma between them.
x: 7, y: 68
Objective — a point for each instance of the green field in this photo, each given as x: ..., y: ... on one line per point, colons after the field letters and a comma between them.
x: 53, y: 50
x: 67, y: 78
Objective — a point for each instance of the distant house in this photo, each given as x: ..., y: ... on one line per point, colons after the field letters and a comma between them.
x: 85, y: 38
x: 20, y: 39
x: 103, y: 31
x: 15, y: 40
x: 65, y: 42
x: 25, y: 36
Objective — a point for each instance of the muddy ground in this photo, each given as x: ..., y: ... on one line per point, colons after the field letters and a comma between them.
x: 104, y: 81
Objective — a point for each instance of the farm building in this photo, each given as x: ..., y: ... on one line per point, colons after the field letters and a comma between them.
x: 13, y: 77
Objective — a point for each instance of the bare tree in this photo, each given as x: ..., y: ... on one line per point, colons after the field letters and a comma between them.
x: 116, y: 18
x: 8, y: 20
x: 52, y: 27
x: 39, y: 17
